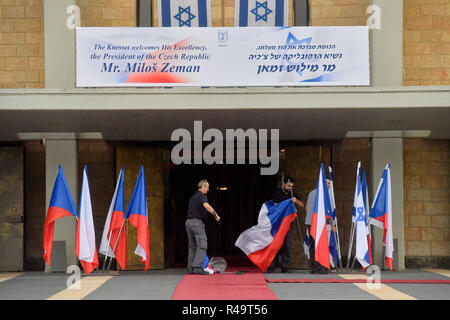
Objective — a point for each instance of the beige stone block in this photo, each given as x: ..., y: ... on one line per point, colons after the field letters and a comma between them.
x: 13, y: 12
x: 8, y: 51
x: 36, y: 63
x: 440, y: 221
x: 432, y: 182
x: 440, y: 168
x: 7, y: 77
x: 13, y: 38
x: 433, y: 9
x: 433, y: 233
x: 34, y: 12
x: 17, y: 63
x: 6, y: 25
x: 413, y: 234
x: 435, y: 207
x: 34, y: 38
x: 411, y: 182
x: 416, y: 145
x: 413, y: 207
x: 418, y: 248
x: 440, y: 195
x: 112, y: 13
x: 440, y: 248
x: 417, y: 169
x: 27, y: 50
x: 420, y: 221
x: 123, y: 3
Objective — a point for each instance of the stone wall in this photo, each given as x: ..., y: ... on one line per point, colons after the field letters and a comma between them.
x: 338, y: 12
x: 108, y: 13
x: 426, y: 42
x: 426, y: 202
x: 22, y: 44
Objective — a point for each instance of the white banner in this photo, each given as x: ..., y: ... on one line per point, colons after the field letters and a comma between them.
x: 253, y: 56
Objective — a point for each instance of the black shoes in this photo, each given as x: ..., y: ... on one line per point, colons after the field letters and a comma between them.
x: 199, y: 271
x: 286, y: 270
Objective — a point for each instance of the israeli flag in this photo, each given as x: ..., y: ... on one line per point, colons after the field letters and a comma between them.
x: 261, y: 13
x: 184, y: 13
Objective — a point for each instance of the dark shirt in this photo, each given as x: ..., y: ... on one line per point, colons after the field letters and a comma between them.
x: 279, y: 196
x: 196, y: 208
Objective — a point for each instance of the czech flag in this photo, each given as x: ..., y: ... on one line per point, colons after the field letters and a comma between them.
x: 361, y: 227
x: 381, y: 213
x: 114, y: 225
x: 262, y: 242
x: 322, y: 209
x: 138, y: 217
x: 61, y: 205
x: 85, y: 248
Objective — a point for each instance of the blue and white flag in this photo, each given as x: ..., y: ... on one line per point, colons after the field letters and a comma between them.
x: 261, y: 13
x: 361, y: 227
x: 184, y: 13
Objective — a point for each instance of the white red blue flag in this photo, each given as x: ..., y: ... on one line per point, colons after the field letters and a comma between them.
x: 114, y: 226
x: 381, y: 213
x: 261, y: 13
x: 361, y: 227
x: 85, y: 248
x: 61, y: 205
x: 184, y: 13
x: 322, y: 209
x: 262, y: 242
x: 207, y: 267
x: 137, y: 215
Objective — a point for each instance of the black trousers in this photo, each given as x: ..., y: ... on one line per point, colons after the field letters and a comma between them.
x: 283, y: 257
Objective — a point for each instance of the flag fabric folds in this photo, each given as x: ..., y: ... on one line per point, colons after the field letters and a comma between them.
x: 85, y: 248
x: 306, y: 244
x: 381, y: 213
x: 184, y: 13
x: 332, y: 243
x: 365, y: 194
x: 361, y: 227
x: 114, y: 226
x: 137, y: 215
x: 61, y: 205
x: 262, y: 242
x: 318, y: 230
x: 261, y: 13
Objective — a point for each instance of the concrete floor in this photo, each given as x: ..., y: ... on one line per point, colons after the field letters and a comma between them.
x: 160, y: 285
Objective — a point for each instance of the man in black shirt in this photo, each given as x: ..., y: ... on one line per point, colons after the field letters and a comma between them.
x: 278, y: 196
x: 195, y: 228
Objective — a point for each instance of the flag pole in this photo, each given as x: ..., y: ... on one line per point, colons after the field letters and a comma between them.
x: 115, y: 245
x: 349, y: 254
x: 299, y: 229
x: 106, y: 254
x: 335, y: 219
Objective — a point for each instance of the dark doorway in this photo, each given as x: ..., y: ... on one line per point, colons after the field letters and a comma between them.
x: 236, y: 193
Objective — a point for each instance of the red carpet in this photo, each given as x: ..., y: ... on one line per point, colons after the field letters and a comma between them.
x: 225, y: 286
x: 331, y: 280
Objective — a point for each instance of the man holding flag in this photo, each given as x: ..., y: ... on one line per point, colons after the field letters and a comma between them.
x: 279, y: 196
